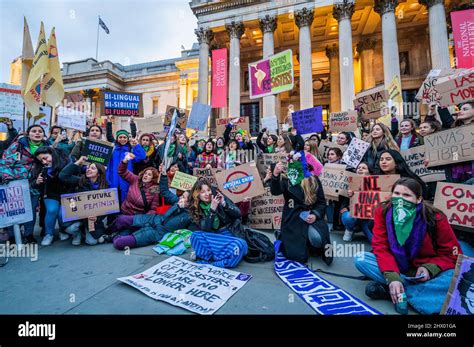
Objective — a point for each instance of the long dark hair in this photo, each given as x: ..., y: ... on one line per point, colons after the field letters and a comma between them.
x: 195, y: 211
x: 102, y: 179
x: 60, y: 160
x: 402, y: 169
x: 428, y: 212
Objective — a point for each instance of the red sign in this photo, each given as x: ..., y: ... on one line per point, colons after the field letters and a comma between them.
x: 219, y: 78
x: 463, y: 32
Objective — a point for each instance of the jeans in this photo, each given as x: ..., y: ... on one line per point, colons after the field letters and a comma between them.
x: 350, y: 223
x: 314, y: 237
x: 53, y: 213
x: 366, y: 263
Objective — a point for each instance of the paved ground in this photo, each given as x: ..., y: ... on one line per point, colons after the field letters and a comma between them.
x: 83, y: 280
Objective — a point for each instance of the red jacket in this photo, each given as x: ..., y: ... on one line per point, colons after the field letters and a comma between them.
x: 445, y: 257
x: 133, y: 203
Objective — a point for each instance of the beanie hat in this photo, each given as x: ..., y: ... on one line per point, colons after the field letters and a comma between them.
x: 122, y: 132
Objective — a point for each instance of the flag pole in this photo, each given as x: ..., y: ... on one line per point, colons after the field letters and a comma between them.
x: 97, y: 45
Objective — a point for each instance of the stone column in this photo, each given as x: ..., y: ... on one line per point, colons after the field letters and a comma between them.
x: 268, y: 25
x: 235, y: 30
x: 304, y: 19
x: 391, y: 61
x: 204, y: 37
x: 183, y: 88
x: 366, y: 53
x: 333, y: 55
x: 343, y: 13
x: 439, y: 45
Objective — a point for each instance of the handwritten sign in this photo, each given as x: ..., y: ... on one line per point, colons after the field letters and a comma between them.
x: 428, y: 93
x: 335, y: 181
x: 355, y: 152
x: 209, y: 174
x: 325, y: 146
x: 15, y: 203
x: 97, y: 151
x: 457, y: 300
x: 456, y: 89
x: 221, y: 123
x: 95, y: 203
x: 270, y: 123
x: 199, y: 288
x: 343, y: 121
x: 264, y: 161
x: 71, y: 119
x: 183, y: 181
x: 263, y: 210
x: 372, y: 103
x: 308, y: 121
x: 450, y: 146
x: 198, y: 118
x: 240, y: 182
x: 456, y: 201
x: 414, y: 158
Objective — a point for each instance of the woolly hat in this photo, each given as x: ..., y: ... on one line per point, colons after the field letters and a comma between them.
x: 122, y: 132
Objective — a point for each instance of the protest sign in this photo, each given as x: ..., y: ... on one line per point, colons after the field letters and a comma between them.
x: 271, y: 75
x: 95, y: 203
x: 199, y: 288
x: 369, y: 193
x: 11, y: 104
x: 264, y: 208
x: 355, y: 152
x: 459, y: 300
x: 241, y: 123
x: 209, y: 174
x: 198, y: 117
x: 262, y: 222
x: 240, y: 182
x: 183, y: 181
x: 462, y: 25
x: 325, y: 146
x: 343, y: 121
x: 15, y: 203
x: 414, y: 158
x: 450, y: 146
x: 308, y: 121
x: 335, y: 181
x: 270, y: 123
x: 43, y: 118
x: 264, y: 161
x: 372, y: 103
x: 456, y: 201
x: 121, y: 104
x: 456, y: 89
x: 152, y: 124
x: 428, y: 93
x: 183, y: 115
x: 71, y: 119
x: 97, y: 151
x: 219, y: 79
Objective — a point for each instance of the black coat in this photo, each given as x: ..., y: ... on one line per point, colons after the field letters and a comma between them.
x: 294, y: 230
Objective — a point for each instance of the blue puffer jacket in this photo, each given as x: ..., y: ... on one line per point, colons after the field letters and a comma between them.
x: 115, y: 181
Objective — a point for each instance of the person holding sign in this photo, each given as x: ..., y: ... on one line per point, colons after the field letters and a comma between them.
x: 94, y: 178
x: 268, y: 144
x: 411, y: 240
x: 380, y: 139
x: 93, y: 133
x: 303, y: 229
x: 241, y: 136
x: 12, y: 133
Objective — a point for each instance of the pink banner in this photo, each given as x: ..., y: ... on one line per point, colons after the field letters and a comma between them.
x: 219, y: 78
x: 463, y: 30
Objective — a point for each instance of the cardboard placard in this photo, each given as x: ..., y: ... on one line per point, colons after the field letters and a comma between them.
x: 364, y: 203
x: 264, y: 208
x: 308, y: 121
x: 77, y: 206
x: 325, y: 146
x: 382, y: 183
x: 261, y: 221
x: 414, y: 158
x: 97, y: 151
x: 355, y: 152
x: 152, y: 124
x: 450, y: 146
x: 183, y: 115
x: 264, y: 161
x: 428, y: 93
x: 457, y: 299
x: 183, y: 181
x: 270, y: 123
x: 71, y: 119
x: 242, y: 122
x: 456, y: 201
x: 240, y: 182
x: 343, y: 121
x: 456, y: 89
x: 199, y: 288
x: 372, y: 103
x: 15, y: 203
x: 11, y: 104
x: 335, y: 180
x: 121, y: 104
x: 198, y: 118
x: 209, y: 174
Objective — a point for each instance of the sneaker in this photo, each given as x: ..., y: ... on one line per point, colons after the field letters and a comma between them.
x: 347, y: 236
x: 29, y: 239
x: 63, y: 236
x: 76, y: 239
x: 101, y: 240
x: 377, y: 291
x: 90, y: 240
x: 47, y: 240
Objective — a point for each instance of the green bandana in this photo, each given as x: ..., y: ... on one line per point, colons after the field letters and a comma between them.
x: 270, y: 149
x: 171, y: 150
x: 207, y: 210
x: 404, y: 213
x: 295, y: 172
x: 33, y: 147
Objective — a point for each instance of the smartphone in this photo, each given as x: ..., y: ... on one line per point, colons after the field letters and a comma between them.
x: 44, y: 173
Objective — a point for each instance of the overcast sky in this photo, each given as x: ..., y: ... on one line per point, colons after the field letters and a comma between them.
x: 140, y: 30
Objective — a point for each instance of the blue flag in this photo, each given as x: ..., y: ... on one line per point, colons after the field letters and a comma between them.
x: 102, y: 24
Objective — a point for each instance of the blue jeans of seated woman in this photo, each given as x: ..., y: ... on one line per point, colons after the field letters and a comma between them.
x: 53, y: 214
x: 350, y: 223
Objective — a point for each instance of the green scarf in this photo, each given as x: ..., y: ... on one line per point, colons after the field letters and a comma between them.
x: 171, y: 150
x: 404, y: 213
x: 207, y: 210
x: 33, y: 147
x: 295, y: 172
x: 270, y: 149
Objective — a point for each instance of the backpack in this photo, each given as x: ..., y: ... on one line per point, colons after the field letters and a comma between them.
x: 260, y: 248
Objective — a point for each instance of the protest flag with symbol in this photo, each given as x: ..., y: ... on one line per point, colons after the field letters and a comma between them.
x: 27, y: 56
x: 53, y: 88
x: 174, y: 120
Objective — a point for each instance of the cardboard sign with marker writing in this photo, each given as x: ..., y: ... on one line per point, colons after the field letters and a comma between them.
x: 240, y: 182
x: 263, y: 210
x: 456, y: 201
x: 414, y: 158
x: 372, y: 103
x: 242, y: 122
x: 183, y: 181
x: 427, y: 92
x: 264, y: 161
x: 343, y: 121
x: 457, y: 88
x: 335, y: 181
x: 97, y: 151
x: 95, y: 203
x: 450, y: 146
x: 378, y: 183
x: 209, y: 174
x: 325, y: 146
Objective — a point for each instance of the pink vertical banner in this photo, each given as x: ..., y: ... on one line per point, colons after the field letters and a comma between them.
x: 463, y: 32
x: 219, y: 78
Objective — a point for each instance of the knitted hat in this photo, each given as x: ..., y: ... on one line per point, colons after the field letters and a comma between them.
x: 122, y: 132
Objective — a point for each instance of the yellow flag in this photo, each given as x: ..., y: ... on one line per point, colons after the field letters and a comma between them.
x: 53, y: 88
x: 27, y: 56
x: 32, y: 95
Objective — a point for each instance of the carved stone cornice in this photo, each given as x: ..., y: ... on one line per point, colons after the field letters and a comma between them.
x: 304, y: 17
x: 204, y: 35
x: 268, y: 24
x: 235, y: 29
x: 385, y: 6
x: 333, y: 51
x: 343, y: 10
x: 365, y: 44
